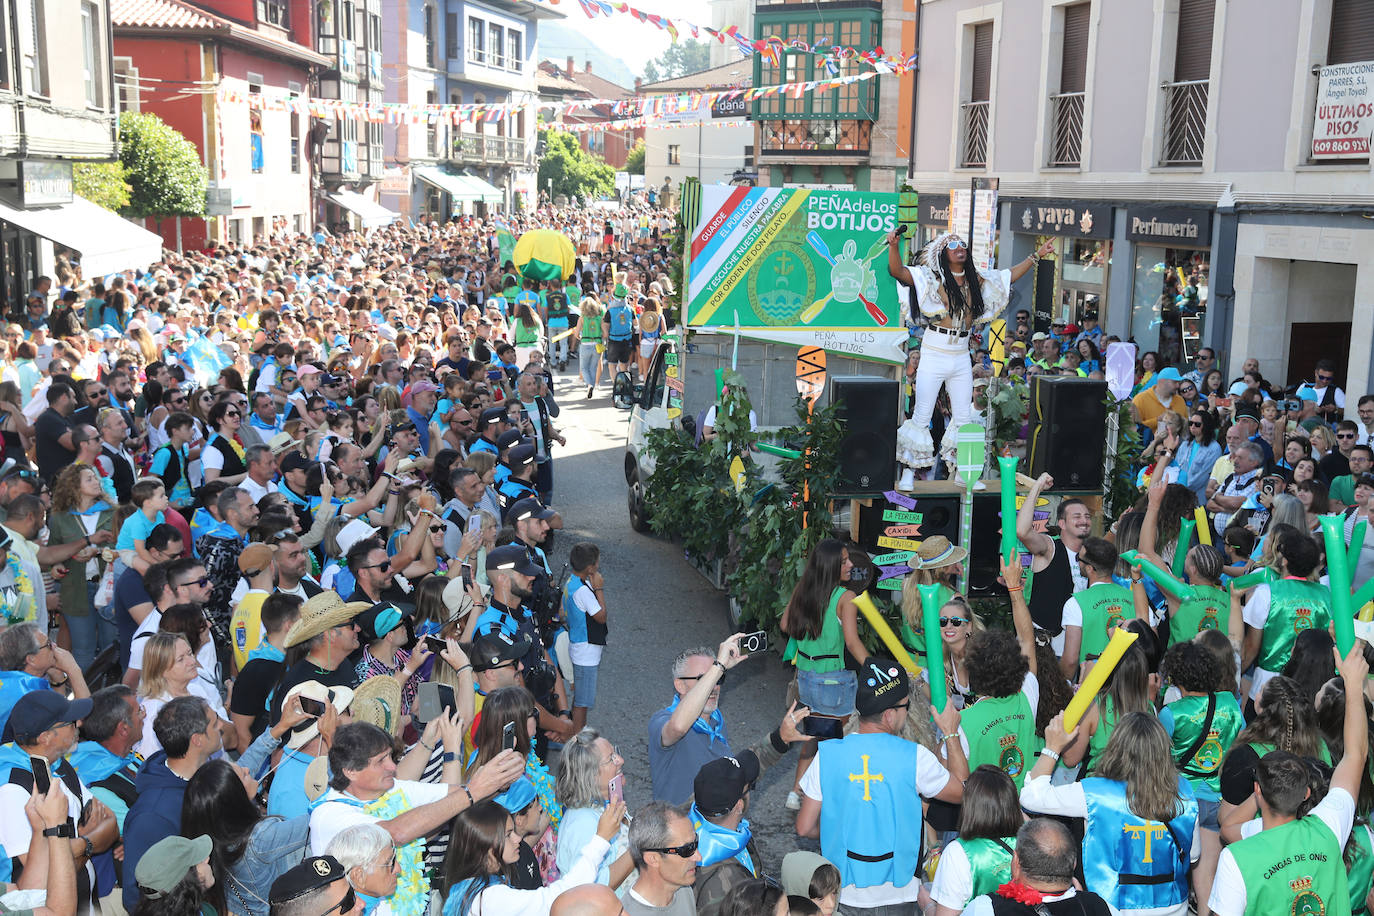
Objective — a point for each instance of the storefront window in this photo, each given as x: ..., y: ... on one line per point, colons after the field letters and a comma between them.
x: 1082, y: 278
x: 1170, y: 301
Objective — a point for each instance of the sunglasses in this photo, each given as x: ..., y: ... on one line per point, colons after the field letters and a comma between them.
x: 1194, y: 423
x: 435, y: 529
x: 686, y: 851
x: 346, y: 905
x: 1325, y: 378
x: 954, y: 244
x: 953, y: 621
x: 232, y: 413
x: 382, y: 565
x: 202, y: 582
x: 1345, y: 435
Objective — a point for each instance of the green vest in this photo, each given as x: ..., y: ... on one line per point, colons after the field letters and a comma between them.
x: 1001, y: 732
x: 525, y: 336
x: 1323, y: 753
x: 1106, y: 724
x: 989, y: 863
x: 1105, y: 606
x: 1295, y: 868
x: 1207, y: 609
x: 1360, y: 874
x: 824, y: 652
x: 1294, y: 605
x: 590, y: 328
x: 1190, y: 714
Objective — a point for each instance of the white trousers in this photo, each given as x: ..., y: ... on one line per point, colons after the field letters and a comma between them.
x: 944, y: 361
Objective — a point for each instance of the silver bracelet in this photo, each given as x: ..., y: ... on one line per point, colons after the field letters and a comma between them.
x: 1046, y: 752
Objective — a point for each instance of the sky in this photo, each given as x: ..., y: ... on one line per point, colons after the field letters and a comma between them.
x: 619, y: 37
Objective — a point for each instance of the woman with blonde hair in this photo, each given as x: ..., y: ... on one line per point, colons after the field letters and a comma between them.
x: 589, y: 350
x: 650, y: 332
x: 147, y: 346
x: 79, y: 510
x: 1135, y: 791
x: 169, y: 671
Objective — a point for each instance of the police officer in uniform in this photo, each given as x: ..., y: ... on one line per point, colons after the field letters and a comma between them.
x: 862, y: 794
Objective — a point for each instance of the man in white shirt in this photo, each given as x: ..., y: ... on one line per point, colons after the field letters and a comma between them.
x: 1365, y: 411
x: 1295, y: 864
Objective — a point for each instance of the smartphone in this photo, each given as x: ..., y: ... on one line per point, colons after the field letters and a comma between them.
x: 474, y: 522
x: 311, y: 707
x: 436, y: 645
x: 616, y: 790
x: 754, y: 642
x: 508, y: 737
x: 467, y: 576
x: 42, y: 781
x: 447, y: 701
x: 822, y: 728
x: 1267, y: 487
x: 1225, y: 402
x: 428, y: 702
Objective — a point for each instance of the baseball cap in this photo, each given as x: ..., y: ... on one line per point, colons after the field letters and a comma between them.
x: 496, y: 648
x: 1247, y: 411
x: 1038, y: 336
x: 312, y: 874
x: 508, y: 438
x: 255, y: 558
x: 512, y: 558
x: 526, y: 508
x: 378, y: 620
x: 492, y: 415
x: 295, y: 461
x: 301, y: 372
x: 167, y: 861
x: 520, y: 456
x: 1171, y: 374
x: 722, y: 782
x: 882, y: 685
x: 39, y: 710
x: 329, y: 379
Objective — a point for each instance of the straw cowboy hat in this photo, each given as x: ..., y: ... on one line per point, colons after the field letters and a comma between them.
x: 320, y: 613
x: 378, y: 700
x: 937, y: 552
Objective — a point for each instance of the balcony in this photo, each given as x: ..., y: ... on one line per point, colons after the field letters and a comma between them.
x: 1185, y: 123
x: 482, y: 149
x: 975, y: 152
x: 1067, y: 113
x: 816, y: 137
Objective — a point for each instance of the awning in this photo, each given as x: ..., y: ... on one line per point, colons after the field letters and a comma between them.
x: 107, y: 242
x: 369, y: 211
x: 459, y: 187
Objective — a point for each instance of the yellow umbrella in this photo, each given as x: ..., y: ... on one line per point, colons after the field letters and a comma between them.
x: 544, y: 255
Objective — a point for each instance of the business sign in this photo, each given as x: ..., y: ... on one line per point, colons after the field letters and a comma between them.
x: 795, y: 259
x: 730, y: 108
x: 1073, y: 218
x: 933, y: 210
x: 1344, y: 116
x: 981, y: 206
x: 1186, y: 227
x: 45, y: 184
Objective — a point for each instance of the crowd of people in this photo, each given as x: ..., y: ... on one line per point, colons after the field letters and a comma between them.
x: 283, y: 636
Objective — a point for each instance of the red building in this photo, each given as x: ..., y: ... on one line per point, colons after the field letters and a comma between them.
x: 568, y: 84
x: 196, y: 66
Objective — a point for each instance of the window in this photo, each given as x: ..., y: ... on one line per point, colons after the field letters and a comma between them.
x: 1352, y: 32
x: 431, y: 39
x: 497, y: 45
x: 92, y: 74
x: 273, y: 12
x: 431, y: 127
x: 1185, y: 99
x: 374, y: 32
x: 126, y: 84
x: 477, y: 41
x: 450, y: 36
x: 4, y: 58
x: 981, y: 89
x: 36, y: 52
x: 515, y: 52
x: 1067, y: 105
x: 1193, y: 59
x: 1073, y: 67
x: 346, y: 22
x: 295, y: 143
x: 976, y: 109
x: 674, y: 154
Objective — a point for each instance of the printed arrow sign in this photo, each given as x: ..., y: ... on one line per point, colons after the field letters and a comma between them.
x: 887, y: 572
x: 898, y: 499
x: 899, y: 543
x: 897, y: 515
x: 892, y: 585
x: 888, y: 559
x: 901, y: 531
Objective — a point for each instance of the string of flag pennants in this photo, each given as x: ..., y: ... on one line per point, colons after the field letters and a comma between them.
x: 770, y: 47
x: 625, y: 113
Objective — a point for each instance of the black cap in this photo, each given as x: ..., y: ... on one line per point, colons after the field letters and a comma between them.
x: 512, y: 558
x: 295, y: 461
x: 882, y: 685
x: 523, y: 509
x: 508, y: 438
x: 721, y: 783
x: 1249, y: 411
x: 328, y: 379
x: 496, y: 648
x: 312, y: 874
x: 520, y: 456
x: 39, y: 710
x: 492, y: 415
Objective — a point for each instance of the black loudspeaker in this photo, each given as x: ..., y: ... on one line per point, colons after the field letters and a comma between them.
x: 868, y: 452
x: 1068, y: 421
x: 939, y: 515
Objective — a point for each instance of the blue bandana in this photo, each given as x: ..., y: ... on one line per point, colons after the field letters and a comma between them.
x: 267, y: 651
x: 713, y: 727
x: 720, y: 843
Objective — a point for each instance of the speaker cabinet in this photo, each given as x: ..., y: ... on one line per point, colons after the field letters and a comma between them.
x: 868, y: 451
x: 1068, y: 421
x: 940, y: 515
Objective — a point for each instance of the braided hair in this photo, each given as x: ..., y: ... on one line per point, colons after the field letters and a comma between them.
x: 958, y: 307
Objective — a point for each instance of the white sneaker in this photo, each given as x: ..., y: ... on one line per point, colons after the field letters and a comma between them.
x: 907, y: 482
x: 979, y: 485
x: 793, y: 802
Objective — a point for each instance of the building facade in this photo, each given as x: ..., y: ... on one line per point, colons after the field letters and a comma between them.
x: 58, y: 107
x: 257, y: 155
x: 457, y: 52
x: 570, y: 83
x: 1205, y: 171
x: 713, y: 144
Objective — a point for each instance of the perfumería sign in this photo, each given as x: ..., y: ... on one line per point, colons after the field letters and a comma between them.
x: 1190, y: 227
x: 1072, y: 218
x: 45, y: 183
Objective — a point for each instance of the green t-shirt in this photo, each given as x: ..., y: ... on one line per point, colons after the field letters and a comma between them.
x: 1296, y: 868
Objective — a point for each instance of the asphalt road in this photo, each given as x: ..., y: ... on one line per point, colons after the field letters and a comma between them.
x: 659, y: 605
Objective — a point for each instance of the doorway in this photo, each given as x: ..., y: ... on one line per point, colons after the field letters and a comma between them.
x: 1309, y: 341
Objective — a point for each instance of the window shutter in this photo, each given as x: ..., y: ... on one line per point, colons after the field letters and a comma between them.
x: 982, y: 62
x: 1193, y: 58
x: 1073, y: 71
x: 1352, y: 32
x: 450, y: 35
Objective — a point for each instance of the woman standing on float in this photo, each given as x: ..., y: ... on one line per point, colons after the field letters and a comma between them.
x: 952, y: 308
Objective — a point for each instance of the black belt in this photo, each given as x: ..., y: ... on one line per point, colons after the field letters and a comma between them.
x: 1144, y: 879
x: 950, y: 332
x: 814, y: 658
x: 860, y: 857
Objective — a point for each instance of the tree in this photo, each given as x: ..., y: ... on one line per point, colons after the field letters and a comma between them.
x: 634, y: 160
x: 163, y: 168
x: 679, y: 59
x: 574, y: 172
x: 102, y: 183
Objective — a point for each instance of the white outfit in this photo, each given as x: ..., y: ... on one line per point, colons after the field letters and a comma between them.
x: 944, y: 361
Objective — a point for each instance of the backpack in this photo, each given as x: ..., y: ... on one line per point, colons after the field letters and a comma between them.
x: 622, y: 325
